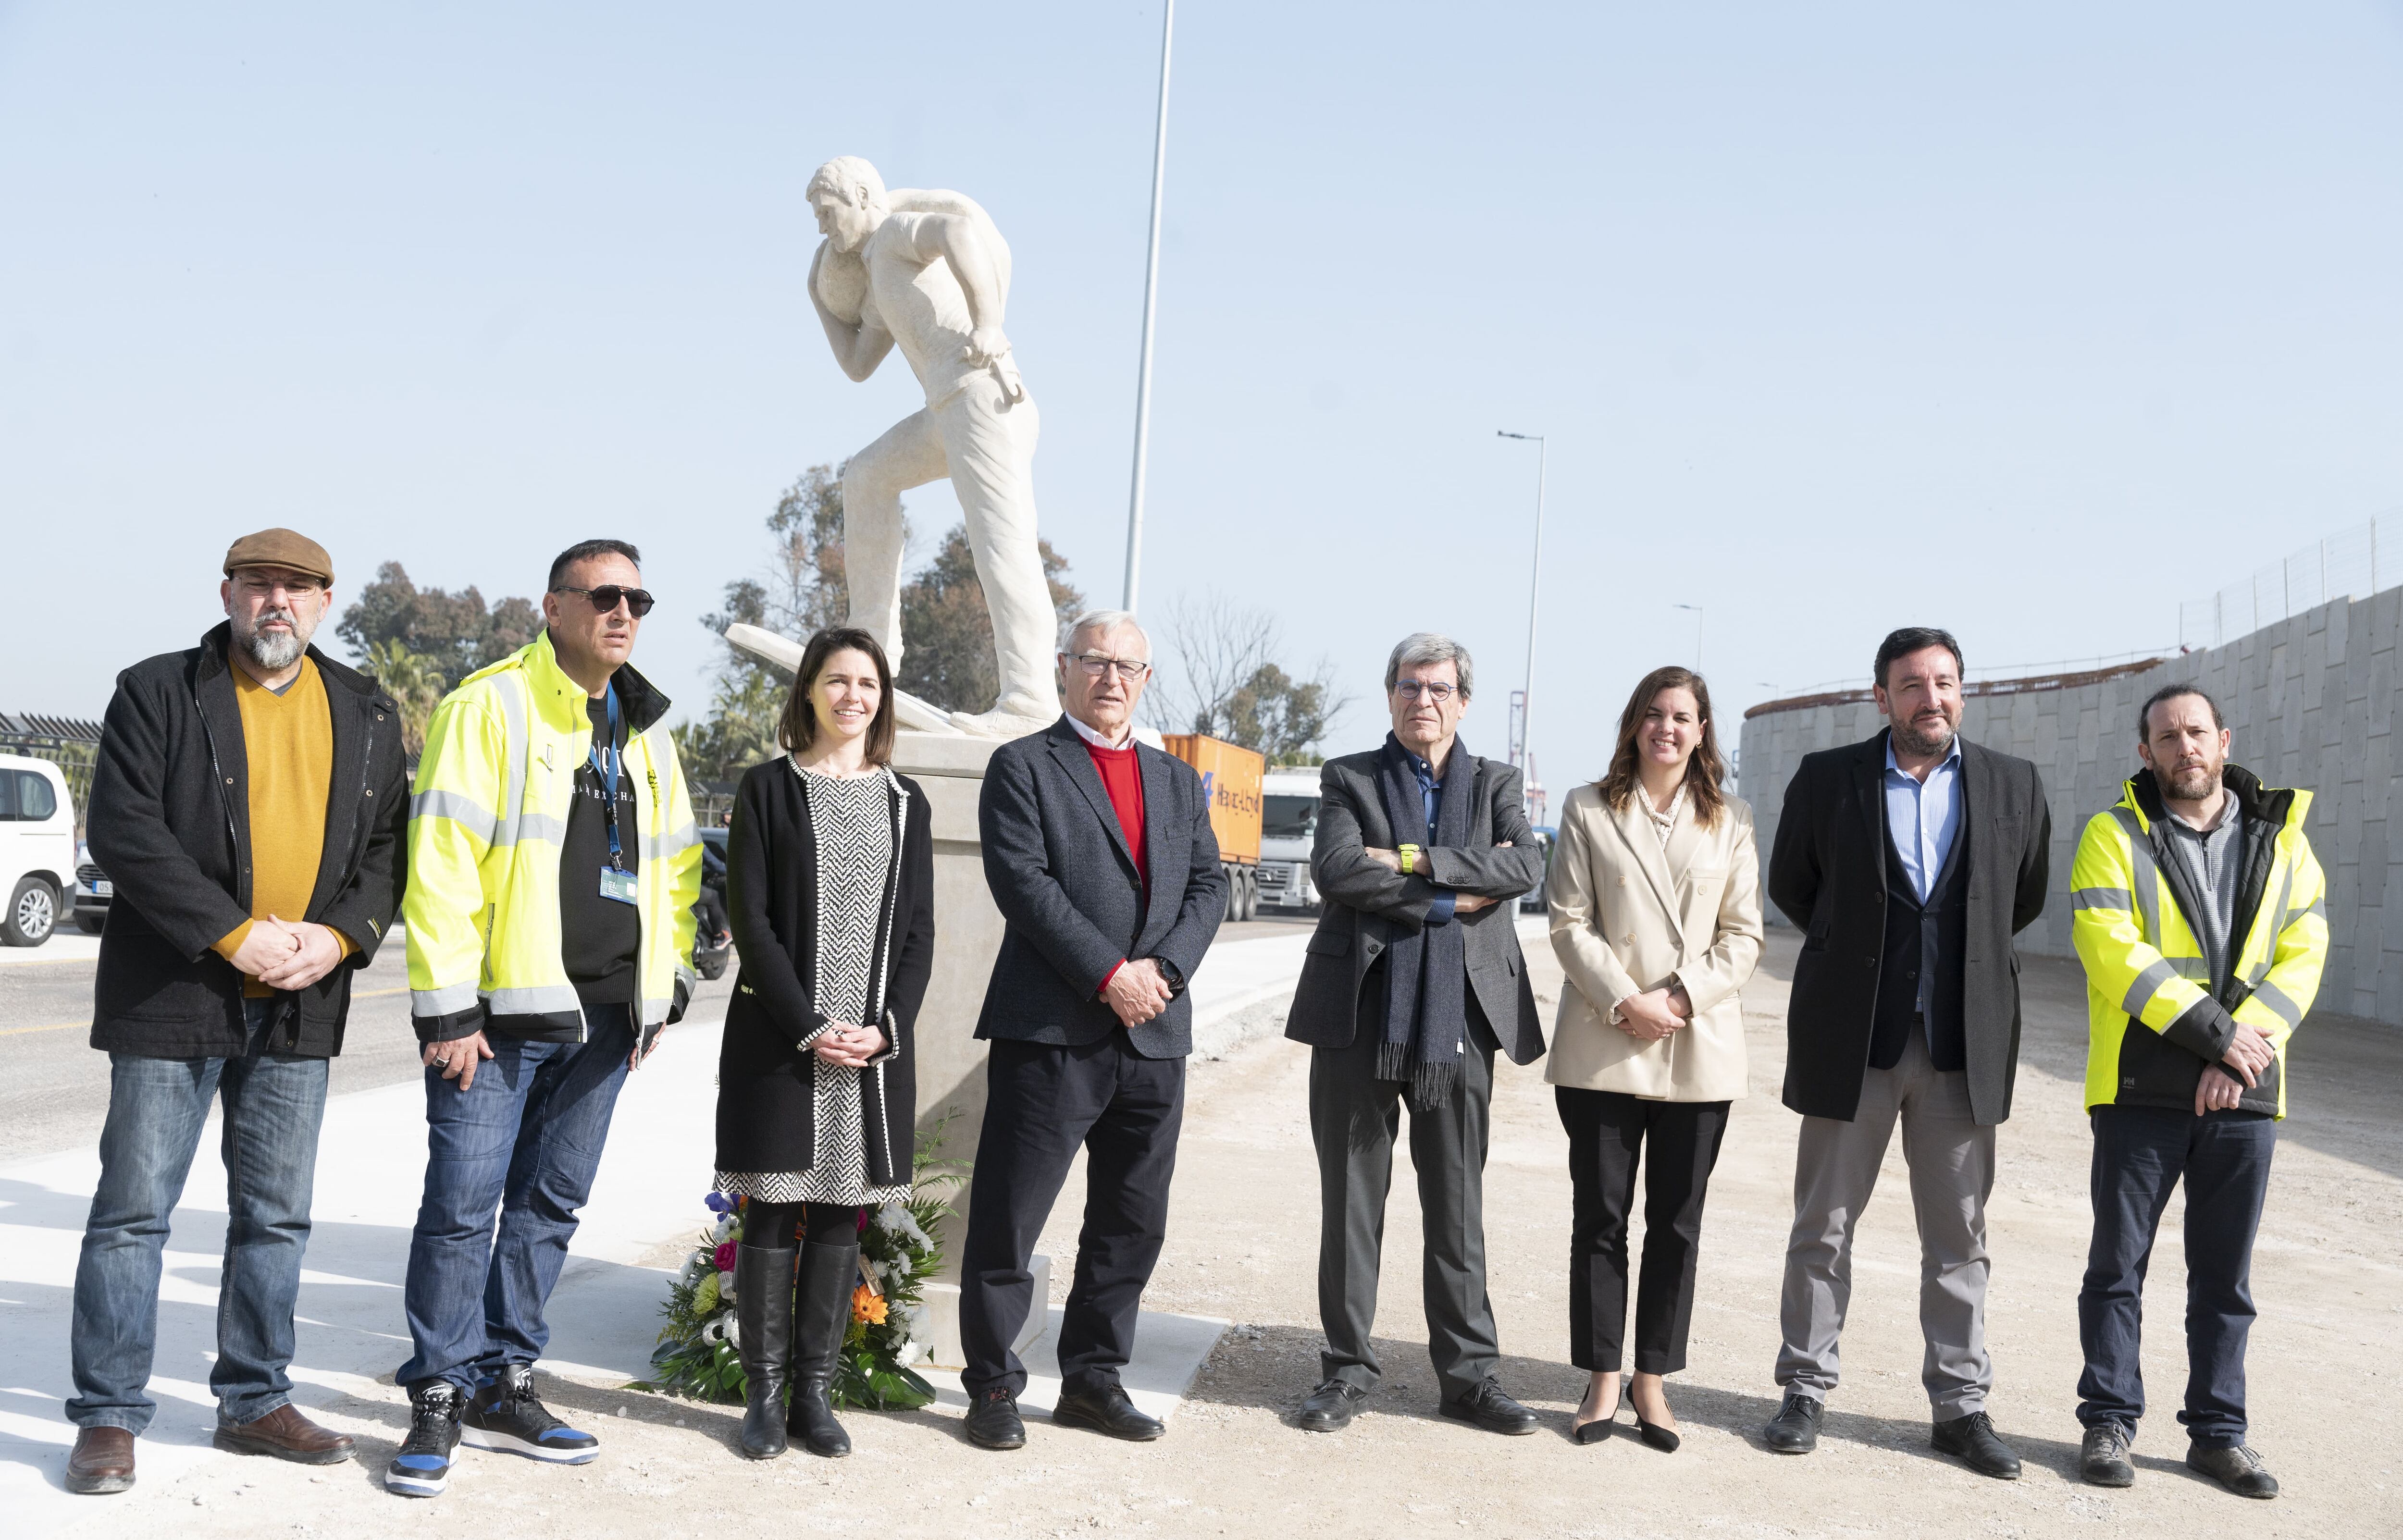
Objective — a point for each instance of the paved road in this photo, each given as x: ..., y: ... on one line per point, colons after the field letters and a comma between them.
x: 54, y: 1088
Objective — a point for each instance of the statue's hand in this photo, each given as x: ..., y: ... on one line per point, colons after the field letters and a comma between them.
x: 986, y: 345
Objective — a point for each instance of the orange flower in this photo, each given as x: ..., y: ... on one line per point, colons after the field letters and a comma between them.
x: 868, y: 1306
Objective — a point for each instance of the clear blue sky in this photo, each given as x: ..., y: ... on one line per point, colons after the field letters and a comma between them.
x: 2027, y: 320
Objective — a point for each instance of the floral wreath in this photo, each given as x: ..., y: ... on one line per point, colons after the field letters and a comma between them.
x: 699, y: 1353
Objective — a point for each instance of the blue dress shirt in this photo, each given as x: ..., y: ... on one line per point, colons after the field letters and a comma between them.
x: 1431, y: 795
x: 1923, y: 818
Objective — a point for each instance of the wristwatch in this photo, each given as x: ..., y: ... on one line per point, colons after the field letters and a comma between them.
x: 1410, y: 858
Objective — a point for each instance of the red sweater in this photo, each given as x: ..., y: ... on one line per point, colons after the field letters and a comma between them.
x: 1122, y: 778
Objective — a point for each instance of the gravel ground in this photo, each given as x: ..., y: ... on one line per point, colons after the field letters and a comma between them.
x: 1242, y: 1246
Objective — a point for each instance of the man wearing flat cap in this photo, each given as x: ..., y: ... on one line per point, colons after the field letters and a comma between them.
x: 249, y: 805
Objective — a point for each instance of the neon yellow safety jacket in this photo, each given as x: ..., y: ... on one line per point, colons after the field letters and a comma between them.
x: 487, y: 819
x: 2154, y: 1015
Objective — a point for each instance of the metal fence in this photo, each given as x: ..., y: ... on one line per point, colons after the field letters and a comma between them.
x: 2349, y: 564
x: 70, y: 743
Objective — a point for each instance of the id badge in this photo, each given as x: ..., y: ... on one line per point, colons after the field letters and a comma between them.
x: 617, y: 884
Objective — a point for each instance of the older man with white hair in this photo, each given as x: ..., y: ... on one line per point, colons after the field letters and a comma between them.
x: 1099, y: 853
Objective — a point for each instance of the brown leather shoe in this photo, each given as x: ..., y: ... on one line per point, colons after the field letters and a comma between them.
x: 102, y: 1461
x: 286, y: 1435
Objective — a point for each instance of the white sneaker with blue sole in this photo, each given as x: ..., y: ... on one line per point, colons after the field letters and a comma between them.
x: 505, y: 1416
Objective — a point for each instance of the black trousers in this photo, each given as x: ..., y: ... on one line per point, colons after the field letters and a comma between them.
x: 1043, y: 1104
x: 2141, y: 1155
x: 1355, y: 1120
x: 1678, y: 1142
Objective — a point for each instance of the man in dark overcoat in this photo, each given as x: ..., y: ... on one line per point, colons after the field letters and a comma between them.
x: 1411, y: 983
x: 1909, y: 862
x: 1099, y: 855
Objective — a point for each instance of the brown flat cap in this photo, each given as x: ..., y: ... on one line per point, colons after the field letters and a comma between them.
x: 281, y: 548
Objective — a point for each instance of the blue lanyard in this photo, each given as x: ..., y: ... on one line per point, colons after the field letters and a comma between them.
x: 605, y: 760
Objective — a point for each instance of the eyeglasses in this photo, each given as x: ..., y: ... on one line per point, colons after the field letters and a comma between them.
x: 606, y: 597
x: 1095, y: 665
x: 297, y: 588
x: 1410, y: 689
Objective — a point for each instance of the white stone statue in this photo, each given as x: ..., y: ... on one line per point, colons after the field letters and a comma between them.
x: 929, y: 272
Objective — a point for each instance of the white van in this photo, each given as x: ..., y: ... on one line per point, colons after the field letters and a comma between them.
x: 37, y: 848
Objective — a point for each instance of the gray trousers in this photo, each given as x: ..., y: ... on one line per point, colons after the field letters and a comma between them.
x: 1354, y: 1119
x: 1951, y: 1161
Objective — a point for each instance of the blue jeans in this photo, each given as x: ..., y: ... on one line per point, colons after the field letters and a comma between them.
x: 2141, y: 1153
x: 157, y: 1109
x: 525, y: 1139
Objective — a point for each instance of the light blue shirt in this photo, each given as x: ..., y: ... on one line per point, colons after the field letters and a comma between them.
x: 1923, y: 818
x: 1431, y: 797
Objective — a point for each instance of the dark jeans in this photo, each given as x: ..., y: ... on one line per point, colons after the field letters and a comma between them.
x: 1679, y: 1144
x: 2140, y: 1155
x: 156, y: 1108
x: 527, y: 1140
x: 1355, y: 1120
x: 1043, y: 1103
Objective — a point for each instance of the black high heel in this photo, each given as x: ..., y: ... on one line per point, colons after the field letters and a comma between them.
x: 1599, y: 1429
x: 1654, y: 1435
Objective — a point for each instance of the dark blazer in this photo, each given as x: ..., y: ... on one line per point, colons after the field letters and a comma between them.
x: 1828, y: 874
x: 1367, y: 904
x: 168, y: 821
x: 1064, y: 881
x: 766, y: 1114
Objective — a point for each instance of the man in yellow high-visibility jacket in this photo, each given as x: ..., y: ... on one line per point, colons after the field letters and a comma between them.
x: 2202, y: 918
x: 552, y: 868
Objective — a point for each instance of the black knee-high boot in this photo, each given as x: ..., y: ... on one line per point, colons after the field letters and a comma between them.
x: 763, y: 1314
x: 822, y: 1318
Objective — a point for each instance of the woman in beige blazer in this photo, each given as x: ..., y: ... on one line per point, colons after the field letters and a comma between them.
x: 1655, y: 894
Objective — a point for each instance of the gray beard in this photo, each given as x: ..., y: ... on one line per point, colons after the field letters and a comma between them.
x: 1910, y: 740
x: 273, y: 651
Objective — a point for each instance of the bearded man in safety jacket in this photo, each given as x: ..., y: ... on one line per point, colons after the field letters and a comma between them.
x: 2202, y: 918
x: 552, y: 868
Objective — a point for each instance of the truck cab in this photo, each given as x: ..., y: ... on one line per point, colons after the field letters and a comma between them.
x: 1288, y: 825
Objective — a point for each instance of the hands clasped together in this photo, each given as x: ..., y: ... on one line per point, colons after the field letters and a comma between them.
x: 849, y: 1046
x: 287, y: 955
x: 1137, y: 991
x: 2248, y: 1055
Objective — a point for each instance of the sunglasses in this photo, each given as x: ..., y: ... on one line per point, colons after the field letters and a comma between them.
x: 606, y: 597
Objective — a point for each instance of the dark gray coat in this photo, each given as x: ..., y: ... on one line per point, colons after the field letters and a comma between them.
x: 1827, y: 873
x: 1064, y: 877
x: 1367, y: 904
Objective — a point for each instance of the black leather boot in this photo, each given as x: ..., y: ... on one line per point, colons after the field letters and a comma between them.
x: 821, y: 1320
x: 763, y: 1315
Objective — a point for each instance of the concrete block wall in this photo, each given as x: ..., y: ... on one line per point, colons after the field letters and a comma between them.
x: 2312, y: 701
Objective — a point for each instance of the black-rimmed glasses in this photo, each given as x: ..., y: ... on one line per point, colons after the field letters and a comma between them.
x: 1410, y: 689
x: 606, y: 597
x: 1095, y: 664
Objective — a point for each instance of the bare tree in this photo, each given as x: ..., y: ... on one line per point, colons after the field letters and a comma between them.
x: 1223, y: 679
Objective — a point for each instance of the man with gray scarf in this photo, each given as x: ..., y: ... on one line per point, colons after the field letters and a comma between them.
x: 1411, y: 982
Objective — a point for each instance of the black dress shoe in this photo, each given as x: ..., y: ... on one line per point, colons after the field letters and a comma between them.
x: 992, y: 1421
x: 1656, y: 1437
x: 1974, y: 1439
x: 1489, y: 1407
x: 1105, y: 1409
x: 2103, y: 1457
x: 1330, y: 1407
x: 1795, y: 1429
x: 1599, y: 1429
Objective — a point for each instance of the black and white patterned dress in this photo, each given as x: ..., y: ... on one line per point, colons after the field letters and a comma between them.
x: 851, y: 820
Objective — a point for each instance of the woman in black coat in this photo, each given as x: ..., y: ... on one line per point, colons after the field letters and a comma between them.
x: 830, y: 877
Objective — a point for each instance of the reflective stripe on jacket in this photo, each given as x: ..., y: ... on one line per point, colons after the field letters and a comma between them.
x: 487, y: 819
x: 2153, y: 1018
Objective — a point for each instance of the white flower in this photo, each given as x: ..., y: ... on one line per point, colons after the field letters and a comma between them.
x: 897, y: 1218
x: 725, y: 1285
x: 733, y: 1330
x: 910, y: 1353
x: 722, y: 1231
x: 714, y: 1330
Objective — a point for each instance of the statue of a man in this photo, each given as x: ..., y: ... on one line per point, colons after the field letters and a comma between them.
x: 929, y: 272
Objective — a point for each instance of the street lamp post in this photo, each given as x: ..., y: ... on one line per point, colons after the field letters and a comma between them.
x: 1698, y: 632
x: 1150, y: 309
x: 1535, y: 587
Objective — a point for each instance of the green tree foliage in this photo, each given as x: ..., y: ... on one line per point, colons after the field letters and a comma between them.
x: 802, y: 592
x: 1221, y: 678
x: 947, y: 656
x: 947, y: 631
x: 453, y: 631
x: 414, y: 680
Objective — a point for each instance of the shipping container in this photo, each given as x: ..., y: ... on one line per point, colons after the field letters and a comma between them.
x: 1230, y: 781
